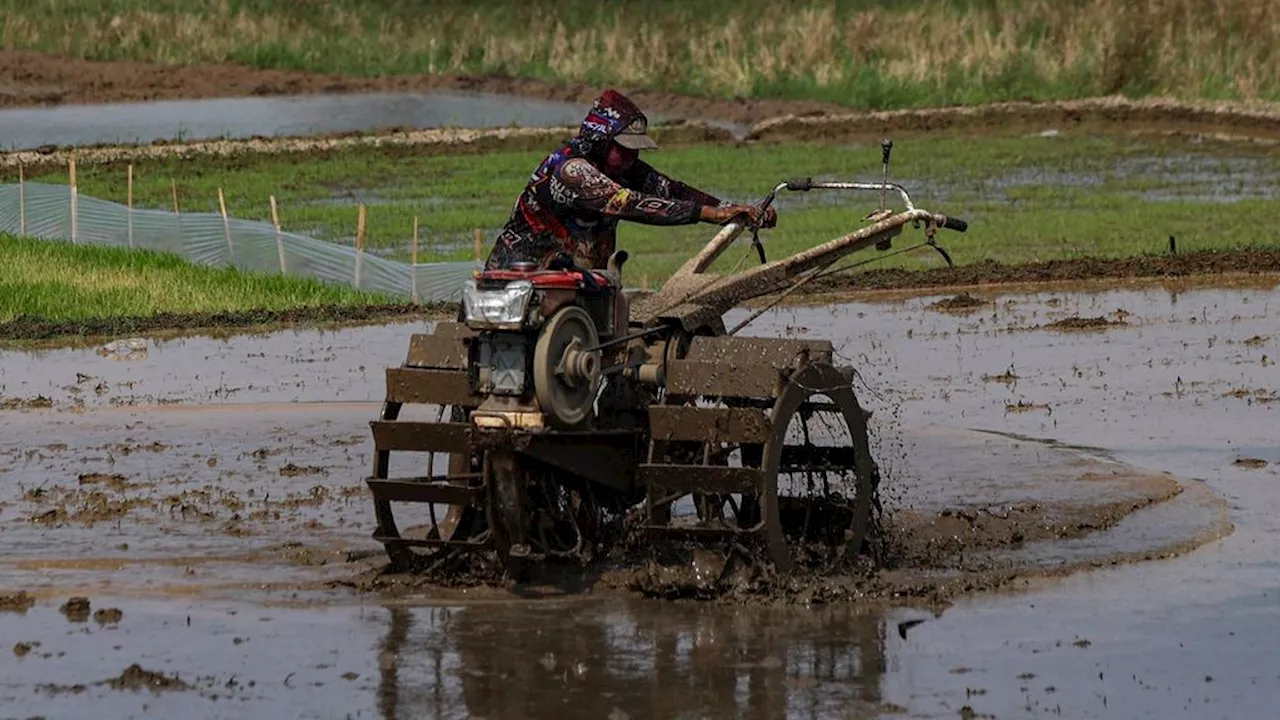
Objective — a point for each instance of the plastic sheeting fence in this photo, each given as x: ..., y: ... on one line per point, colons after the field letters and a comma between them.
x: 56, y: 212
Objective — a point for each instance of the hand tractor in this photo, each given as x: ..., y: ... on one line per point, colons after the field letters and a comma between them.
x: 561, y: 402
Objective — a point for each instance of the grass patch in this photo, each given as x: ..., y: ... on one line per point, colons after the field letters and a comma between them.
x: 1027, y: 198
x: 59, y: 281
x: 871, y: 54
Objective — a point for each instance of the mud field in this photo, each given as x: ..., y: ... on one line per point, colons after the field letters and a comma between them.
x: 186, y: 531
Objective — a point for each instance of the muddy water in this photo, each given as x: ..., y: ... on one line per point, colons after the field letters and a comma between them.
x: 987, y: 405
x: 147, y: 122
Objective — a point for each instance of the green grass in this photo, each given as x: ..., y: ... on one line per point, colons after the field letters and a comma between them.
x: 861, y: 53
x: 1028, y: 198
x: 60, y: 281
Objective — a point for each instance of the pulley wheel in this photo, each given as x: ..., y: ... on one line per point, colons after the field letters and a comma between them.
x: 566, y: 378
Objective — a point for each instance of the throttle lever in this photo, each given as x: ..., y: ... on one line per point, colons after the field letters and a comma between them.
x: 886, y: 147
x: 764, y: 205
x: 941, y: 250
x: 755, y: 240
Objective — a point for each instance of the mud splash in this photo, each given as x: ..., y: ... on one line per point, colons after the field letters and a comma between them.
x: 931, y: 548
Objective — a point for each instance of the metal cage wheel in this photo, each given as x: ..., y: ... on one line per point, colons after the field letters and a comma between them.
x: 817, y: 379
x: 456, y: 522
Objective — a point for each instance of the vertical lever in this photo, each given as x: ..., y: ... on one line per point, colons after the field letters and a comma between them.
x: 886, y: 147
x: 755, y: 240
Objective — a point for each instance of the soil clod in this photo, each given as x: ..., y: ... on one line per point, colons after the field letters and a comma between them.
x: 76, y: 609
x: 38, y: 402
x: 135, y: 677
x: 962, y: 302
x: 113, y: 481
x: 291, y: 470
x: 18, y: 602
x: 1083, y: 323
x: 108, y: 616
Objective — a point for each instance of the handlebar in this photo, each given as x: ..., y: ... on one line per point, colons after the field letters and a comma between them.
x: 807, y: 184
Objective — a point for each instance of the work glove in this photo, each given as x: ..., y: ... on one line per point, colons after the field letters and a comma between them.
x: 754, y: 216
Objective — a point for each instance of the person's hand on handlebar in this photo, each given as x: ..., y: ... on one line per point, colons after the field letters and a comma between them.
x: 725, y: 214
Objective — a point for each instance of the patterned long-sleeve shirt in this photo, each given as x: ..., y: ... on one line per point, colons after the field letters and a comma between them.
x: 571, y: 206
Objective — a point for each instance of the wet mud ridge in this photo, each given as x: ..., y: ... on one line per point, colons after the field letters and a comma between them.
x: 30, y: 78
x: 990, y: 272
x: 35, y: 328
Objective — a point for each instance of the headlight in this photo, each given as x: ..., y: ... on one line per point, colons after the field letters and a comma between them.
x: 503, y: 308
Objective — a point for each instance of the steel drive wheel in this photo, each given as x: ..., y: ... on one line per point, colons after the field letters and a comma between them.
x: 818, y: 475
x: 460, y: 523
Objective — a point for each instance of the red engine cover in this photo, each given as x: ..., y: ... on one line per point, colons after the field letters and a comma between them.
x: 548, y: 279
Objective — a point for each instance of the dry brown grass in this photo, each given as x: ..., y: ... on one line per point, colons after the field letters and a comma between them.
x: 858, y: 53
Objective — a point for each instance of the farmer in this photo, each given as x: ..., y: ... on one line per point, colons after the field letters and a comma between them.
x: 576, y: 197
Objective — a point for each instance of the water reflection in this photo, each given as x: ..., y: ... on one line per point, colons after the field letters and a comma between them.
x: 630, y: 659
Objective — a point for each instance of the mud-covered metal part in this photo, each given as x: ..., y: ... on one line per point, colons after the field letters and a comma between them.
x: 452, y: 492
x: 726, y: 440
x: 601, y: 415
x: 734, y: 444
x: 692, y: 293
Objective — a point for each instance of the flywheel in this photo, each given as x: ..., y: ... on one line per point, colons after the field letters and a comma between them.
x: 566, y: 371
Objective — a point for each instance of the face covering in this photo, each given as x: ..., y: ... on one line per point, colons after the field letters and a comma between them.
x: 618, y: 159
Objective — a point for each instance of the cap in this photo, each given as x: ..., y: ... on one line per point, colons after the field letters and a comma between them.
x: 635, y: 136
x: 614, y: 117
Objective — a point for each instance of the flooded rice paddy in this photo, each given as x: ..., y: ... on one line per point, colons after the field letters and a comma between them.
x: 209, y: 489
x: 270, y: 116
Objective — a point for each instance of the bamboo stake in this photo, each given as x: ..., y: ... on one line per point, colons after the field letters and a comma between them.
x: 22, y: 201
x: 129, y: 204
x: 275, y: 220
x: 226, y: 226
x: 413, y: 271
x: 359, y: 244
x: 479, y: 243
x: 71, y: 169
x: 177, y: 214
